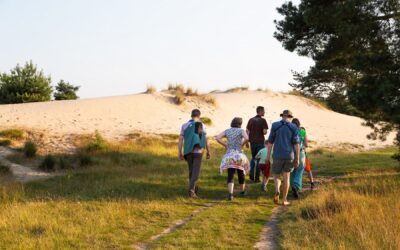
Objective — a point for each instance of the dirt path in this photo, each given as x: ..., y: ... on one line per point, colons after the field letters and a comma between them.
x: 21, y: 173
x: 175, y: 226
x: 270, y: 232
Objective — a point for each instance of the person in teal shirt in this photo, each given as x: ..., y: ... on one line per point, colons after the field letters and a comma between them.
x: 296, y: 179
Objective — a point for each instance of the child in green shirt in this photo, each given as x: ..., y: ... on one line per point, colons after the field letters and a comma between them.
x: 264, y: 166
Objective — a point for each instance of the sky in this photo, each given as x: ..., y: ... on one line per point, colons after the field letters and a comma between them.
x: 119, y: 47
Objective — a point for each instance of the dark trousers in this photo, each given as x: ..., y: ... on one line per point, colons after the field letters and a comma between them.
x: 231, y: 175
x: 194, y: 163
x: 255, y: 147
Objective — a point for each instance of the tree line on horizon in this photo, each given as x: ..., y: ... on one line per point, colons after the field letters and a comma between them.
x: 28, y: 84
x: 355, y: 45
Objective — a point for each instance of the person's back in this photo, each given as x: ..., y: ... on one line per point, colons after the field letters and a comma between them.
x: 256, y: 127
x: 284, y: 134
x: 234, y: 136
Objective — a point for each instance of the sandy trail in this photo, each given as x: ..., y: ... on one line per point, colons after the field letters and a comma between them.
x: 21, y: 173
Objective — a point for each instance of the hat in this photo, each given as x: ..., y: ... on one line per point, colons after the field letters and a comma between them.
x: 287, y: 113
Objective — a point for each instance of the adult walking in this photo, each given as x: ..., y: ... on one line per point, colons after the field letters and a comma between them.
x: 257, y: 128
x: 234, y: 159
x: 284, y: 139
x: 296, y: 178
x: 193, y: 139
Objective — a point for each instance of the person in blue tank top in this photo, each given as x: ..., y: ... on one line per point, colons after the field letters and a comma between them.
x: 193, y: 140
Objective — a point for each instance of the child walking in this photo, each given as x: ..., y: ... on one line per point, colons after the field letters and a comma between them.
x: 264, y: 166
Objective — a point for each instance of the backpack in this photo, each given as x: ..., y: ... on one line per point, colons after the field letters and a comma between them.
x: 194, y: 136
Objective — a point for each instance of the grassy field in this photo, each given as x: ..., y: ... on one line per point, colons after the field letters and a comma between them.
x: 359, y: 210
x: 135, y: 189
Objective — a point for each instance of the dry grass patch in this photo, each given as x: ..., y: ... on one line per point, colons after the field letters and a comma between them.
x: 359, y: 213
x: 150, y: 89
x: 15, y: 134
x: 237, y: 89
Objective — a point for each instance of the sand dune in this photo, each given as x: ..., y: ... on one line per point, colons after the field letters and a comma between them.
x: 156, y: 113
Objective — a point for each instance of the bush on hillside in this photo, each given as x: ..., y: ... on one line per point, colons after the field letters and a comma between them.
x: 30, y: 149
x: 25, y: 84
x: 209, y: 99
x: 15, y: 134
x: 85, y: 160
x: 5, y: 142
x: 151, y: 89
x: 48, y: 163
x: 66, y: 91
x: 97, y: 144
x: 179, y: 98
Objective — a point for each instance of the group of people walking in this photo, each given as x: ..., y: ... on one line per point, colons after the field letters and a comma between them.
x: 286, y: 145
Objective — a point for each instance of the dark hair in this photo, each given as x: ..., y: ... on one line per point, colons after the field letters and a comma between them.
x: 259, y: 109
x: 296, y: 121
x: 196, y: 113
x: 236, y: 122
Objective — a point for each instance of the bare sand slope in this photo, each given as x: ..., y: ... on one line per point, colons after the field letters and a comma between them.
x: 156, y: 113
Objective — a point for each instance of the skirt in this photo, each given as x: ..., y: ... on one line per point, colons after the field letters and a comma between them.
x: 235, y: 159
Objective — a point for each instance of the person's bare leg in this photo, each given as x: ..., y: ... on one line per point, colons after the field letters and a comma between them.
x: 242, y: 187
x: 286, y: 177
x: 265, y: 183
x: 277, y: 183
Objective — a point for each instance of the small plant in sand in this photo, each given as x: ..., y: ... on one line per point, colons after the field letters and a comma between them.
x: 30, y: 149
x: 15, y: 134
x: 151, y: 89
x: 97, y: 144
x: 207, y: 120
x: 209, y: 99
x: 179, y: 98
x: 48, y: 163
x: 5, y: 142
x: 191, y: 92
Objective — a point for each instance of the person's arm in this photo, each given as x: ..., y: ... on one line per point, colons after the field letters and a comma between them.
x: 265, y: 127
x: 208, y: 155
x: 245, y: 138
x: 220, y: 141
x: 305, y: 141
x: 268, y: 159
x: 180, y: 144
x: 297, y: 155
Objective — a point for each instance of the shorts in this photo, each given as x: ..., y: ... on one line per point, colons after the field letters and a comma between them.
x: 265, y: 169
x: 280, y: 166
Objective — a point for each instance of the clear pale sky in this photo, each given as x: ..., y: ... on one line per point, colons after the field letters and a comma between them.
x: 118, y: 47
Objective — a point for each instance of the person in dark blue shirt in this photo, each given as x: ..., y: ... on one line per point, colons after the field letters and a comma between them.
x: 284, y: 139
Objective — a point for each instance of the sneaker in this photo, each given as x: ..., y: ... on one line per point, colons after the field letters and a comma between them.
x: 312, y: 185
x: 196, y: 190
x: 295, y: 193
x: 276, y: 198
x: 285, y: 203
x: 243, y: 193
x: 193, y: 195
x: 264, y: 188
x: 257, y: 181
x: 230, y: 197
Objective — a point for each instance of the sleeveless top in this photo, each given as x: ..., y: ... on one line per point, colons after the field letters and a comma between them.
x: 234, y: 136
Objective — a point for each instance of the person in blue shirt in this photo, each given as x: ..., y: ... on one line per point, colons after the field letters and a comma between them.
x: 284, y: 140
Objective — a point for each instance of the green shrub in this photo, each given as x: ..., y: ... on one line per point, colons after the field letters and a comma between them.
x: 15, y: 134
x: 66, y: 91
x: 65, y: 163
x: 48, y: 163
x: 207, y: 120
x: 97, y: 144
x: 30, y: 149
x: 5, y: 143
x: 4, y: 170
x: 85, y: 160
x: 25, y: 84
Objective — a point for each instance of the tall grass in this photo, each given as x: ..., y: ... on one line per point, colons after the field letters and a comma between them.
x: 359, y: 213
x: 151, y: 89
